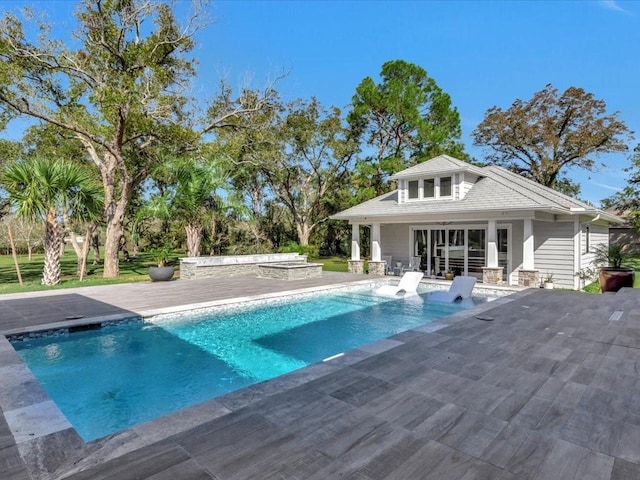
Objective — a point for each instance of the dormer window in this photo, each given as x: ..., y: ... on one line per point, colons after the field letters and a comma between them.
x: 414, y: 191
x: 445, y: 186
x: 429, y: 188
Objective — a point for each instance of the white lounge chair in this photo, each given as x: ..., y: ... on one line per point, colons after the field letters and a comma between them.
x: 408, y: 284
x: 460, y: 289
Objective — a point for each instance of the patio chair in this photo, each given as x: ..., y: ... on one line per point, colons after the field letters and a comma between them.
x: 408, y: 284
x: 460, y: 289
x: 414, y: 265
x: 388, y: 268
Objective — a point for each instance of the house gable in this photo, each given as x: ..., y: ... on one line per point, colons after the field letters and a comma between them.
x: 441, y: 178
x: 488, y: 192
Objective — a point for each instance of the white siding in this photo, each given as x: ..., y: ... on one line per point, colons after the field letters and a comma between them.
x: 395, y: 242
x: 467, y: 181
x: 553, y: 251
x: 402, y: 185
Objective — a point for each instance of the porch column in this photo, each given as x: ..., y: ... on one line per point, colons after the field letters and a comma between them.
x: 528, y: 276
x: 355, y: 241
x: 376, y: 251
x: 492, y: 244
x: 491, y: 272
x: 355, y: 265
x: 376, y: 264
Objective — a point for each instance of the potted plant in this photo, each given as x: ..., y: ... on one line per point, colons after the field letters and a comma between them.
x: 547, y: 283
x: 448, y: 275
x: 162, y: 272
x: 614, y: 276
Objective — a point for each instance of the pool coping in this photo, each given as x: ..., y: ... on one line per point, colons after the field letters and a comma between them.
x: 41, y: 426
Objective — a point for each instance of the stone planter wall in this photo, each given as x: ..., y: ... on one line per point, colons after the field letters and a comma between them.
x: 355, y: 266
x: 529, y: 278
x: 377, y: 268
x: 232, y: 265
x: 492, y: 275
x: 291, y: 271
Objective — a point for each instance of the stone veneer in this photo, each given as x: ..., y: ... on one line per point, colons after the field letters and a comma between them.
x: 356, y: 266
x: 492, y: 275
x: 232, y: 265
x: 529, y: 278
x: 377, y: 268
x: 290, y: 271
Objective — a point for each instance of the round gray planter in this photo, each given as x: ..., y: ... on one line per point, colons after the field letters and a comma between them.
x: 161, y: 274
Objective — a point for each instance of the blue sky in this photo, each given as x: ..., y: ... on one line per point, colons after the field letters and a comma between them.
x: 481, y: 53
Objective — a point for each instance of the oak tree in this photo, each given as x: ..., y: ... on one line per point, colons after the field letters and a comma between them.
x: 543, y: 137
x: 315, y: 151
x: 122, y: 92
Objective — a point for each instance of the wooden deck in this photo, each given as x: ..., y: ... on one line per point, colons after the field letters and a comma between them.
x: 545, y: 385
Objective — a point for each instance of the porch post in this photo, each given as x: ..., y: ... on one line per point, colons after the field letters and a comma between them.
x: 376, y: 251
x: 355, y: 241
x: 528, y: 276
x: 491, y: 272
x: 355, y: 265
x: 492, y: 244
x: 376, y: 264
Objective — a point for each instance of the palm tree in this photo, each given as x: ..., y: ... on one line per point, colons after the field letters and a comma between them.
x: 191, y: 199
x: 46, y: 189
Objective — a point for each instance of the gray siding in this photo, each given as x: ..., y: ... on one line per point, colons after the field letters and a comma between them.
x: 598, y: 235
x: 553, y: 251
x: 517, y: 230
x: 395, y: 242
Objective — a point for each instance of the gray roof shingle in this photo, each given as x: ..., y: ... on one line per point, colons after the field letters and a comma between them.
x: 496, y: 189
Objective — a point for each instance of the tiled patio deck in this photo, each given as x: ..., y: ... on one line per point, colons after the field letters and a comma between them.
x: 549, y: 389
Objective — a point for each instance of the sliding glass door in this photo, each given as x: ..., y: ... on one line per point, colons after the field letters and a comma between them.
x: 461, y: 250
x: 476, y: 252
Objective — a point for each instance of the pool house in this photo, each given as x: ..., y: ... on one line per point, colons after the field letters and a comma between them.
x: 448, y: 215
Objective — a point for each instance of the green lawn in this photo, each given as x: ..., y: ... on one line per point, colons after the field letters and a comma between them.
x: 331, y: 264
x: 133, y: 271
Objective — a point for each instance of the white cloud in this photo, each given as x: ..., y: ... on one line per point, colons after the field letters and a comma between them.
x: 613, y: 5
x: 604, y: 185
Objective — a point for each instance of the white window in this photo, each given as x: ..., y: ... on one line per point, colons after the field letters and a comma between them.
x: 429, y: 188
x: 413, y: 189
x: 445, y: 186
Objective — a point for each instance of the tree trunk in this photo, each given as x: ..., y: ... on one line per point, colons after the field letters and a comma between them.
x: 114, y: 231
x: 61, y: 244
x: 51, y: 272
x: 111, y: 249
x: 304, y: 232
x: 194, y: 234
x: 95, y: 243
x: 29, y: 251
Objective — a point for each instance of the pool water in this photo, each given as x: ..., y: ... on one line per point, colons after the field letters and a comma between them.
x: 116, y: 377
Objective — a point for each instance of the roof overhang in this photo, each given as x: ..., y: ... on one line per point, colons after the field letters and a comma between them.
x: 444, y: 171
x: 476, y: 215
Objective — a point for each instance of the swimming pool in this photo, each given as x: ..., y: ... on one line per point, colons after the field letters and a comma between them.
x: 116, y: 377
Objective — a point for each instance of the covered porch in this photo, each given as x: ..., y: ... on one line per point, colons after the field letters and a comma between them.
x: 499, y: 252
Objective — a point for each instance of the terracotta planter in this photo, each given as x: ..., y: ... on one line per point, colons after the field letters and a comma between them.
x: 613, y: 279
x: 161, y: 274
x: 448, y: 276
